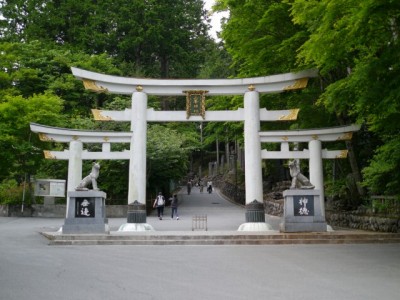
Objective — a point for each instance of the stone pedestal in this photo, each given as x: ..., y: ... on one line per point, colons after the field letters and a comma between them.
x: 303, y: 211
x: 136, y: 218
x: 136, y: 213
x: 86, y: 213
x: 255, y: 218
x: 255, y: 212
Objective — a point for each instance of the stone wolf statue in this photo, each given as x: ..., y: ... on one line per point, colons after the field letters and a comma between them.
x: 299, y: 181
x: 90, y: 179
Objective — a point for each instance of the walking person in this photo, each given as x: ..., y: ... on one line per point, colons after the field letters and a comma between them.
x: 201, y: 183
x: 189, y: 187
x: 209, y: 187
x: 159, y: 203
x: 174, y: 207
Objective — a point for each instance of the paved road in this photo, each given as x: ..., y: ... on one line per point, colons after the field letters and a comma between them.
x: 30, y: 269
x: 222, y: 215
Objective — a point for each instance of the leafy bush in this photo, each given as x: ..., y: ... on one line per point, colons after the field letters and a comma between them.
x: 343, y: 192
x: 382, y: 176
x: 11, y: 192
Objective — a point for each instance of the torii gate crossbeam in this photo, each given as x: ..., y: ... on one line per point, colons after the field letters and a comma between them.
x: 98, y: 82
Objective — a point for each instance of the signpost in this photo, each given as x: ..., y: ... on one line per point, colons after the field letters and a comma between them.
x: 49, y: 189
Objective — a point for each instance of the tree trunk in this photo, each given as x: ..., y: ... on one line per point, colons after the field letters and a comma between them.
x: 353, y: 160
x: 354, y: 168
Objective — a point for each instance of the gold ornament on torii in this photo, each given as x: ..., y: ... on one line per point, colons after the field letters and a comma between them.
x: 195, y: 103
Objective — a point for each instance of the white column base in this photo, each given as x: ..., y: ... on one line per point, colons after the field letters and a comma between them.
x: 136, y: 227
x: 255, y: 226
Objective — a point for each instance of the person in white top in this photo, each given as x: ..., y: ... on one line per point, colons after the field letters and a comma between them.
x: 209, y: 186
x: 159, y: 203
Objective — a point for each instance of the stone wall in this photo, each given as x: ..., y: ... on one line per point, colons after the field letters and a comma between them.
x: 16, y: 211
x: 229, y: 190
x: 355, y: 220
x: 352, y: 219
x: 273, y: 201
x: 274, y: 208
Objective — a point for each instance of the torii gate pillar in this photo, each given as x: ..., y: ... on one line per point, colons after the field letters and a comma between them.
x: 255, y: 215
x: 252, y: 147
x: 74, y: 167
x: 137, y: 166
x: 316, y: 169
x: 136, y: 220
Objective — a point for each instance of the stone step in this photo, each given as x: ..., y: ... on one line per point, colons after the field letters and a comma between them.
x: 221, y: 239
x: 219, y: 242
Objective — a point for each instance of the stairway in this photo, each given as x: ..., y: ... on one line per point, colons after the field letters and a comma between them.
x: 221, y: 238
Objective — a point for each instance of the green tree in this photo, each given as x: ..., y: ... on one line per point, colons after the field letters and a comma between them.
x: 37, y: 86
x: 32, y: 68
x: 217, y: 63
x: 355, y: 45
x: 260, y: 36
x: 153, y: 38
x: 20, y: 153
x: 166, y: 156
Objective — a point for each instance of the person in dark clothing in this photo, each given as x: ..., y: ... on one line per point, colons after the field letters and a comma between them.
x: 174, y: 207
x: 189, y: 187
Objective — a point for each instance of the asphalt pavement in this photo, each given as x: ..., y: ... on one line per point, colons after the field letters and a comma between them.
x: 31, y: 269
x: 222, y: 215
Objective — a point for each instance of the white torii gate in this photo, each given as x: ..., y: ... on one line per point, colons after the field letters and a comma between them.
x: 139, y: 115
x: 314, y: 153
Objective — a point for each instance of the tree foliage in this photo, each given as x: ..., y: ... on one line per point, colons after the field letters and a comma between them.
x: 37, y: 87
x: 18, y: 153
x: 260, y: 36
x: 355, y: 46
x: 152, y: 38
x: 166, y: 155
x: 41, y: 40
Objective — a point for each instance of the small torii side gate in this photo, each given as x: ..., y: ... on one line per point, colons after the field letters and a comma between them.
x: 195, y: 91
x: 314, y: 153
x: 75, y: 154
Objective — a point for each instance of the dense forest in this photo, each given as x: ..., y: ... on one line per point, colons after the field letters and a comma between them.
x: 353, y: 43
